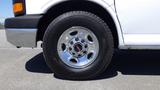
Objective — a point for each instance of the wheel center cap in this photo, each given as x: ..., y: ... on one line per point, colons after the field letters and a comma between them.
x: 78, y: 47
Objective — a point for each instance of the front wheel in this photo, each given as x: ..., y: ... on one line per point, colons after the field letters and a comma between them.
x: 78, y: 45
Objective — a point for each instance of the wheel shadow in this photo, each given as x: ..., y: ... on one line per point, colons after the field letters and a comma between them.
x: 37, y: 65
x: 127, y: 62
x: 142, y: 62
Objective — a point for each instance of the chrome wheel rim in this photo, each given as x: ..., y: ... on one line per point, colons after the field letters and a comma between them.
x: 78, y: 47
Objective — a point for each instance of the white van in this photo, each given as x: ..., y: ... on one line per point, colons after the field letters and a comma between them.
x: 79, y: 36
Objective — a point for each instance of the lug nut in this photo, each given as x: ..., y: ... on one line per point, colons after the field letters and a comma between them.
x: 85, y: 52
x: 86, y: 46
x: 71, y: 42
x: 82, y: 41
x: 77, y: 39
x: 70, y: 48
x: 73, y: 53
x: 79, y: 55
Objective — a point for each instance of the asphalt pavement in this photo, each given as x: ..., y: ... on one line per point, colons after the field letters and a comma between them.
x: 25, y: 69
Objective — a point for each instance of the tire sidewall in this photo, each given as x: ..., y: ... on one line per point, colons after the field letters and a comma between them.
x: 62, y: 23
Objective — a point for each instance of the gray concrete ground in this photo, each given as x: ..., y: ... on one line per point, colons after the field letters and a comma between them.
x: 25, y: 69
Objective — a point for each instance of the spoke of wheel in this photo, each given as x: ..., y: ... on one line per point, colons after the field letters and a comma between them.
x: 66, y: 56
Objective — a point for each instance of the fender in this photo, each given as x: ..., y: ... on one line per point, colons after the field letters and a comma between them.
x: 44, y: 5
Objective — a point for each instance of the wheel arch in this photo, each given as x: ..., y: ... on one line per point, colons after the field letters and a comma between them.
x: 76, y: 5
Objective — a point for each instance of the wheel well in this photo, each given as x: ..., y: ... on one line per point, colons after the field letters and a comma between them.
x: 75, y: 5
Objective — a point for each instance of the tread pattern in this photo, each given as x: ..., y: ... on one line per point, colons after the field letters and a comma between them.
x: 99, y: 20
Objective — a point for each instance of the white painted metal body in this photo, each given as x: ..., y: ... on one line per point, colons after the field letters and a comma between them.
x: 137, y: 21
x: 41, y: 6
x: 140, y: 23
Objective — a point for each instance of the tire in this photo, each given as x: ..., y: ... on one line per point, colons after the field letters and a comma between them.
x: 83, y: 19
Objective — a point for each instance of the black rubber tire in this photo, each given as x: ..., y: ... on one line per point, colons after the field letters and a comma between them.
x: 84, y: 19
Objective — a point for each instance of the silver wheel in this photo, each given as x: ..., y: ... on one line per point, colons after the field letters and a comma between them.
x: 78, y: 47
